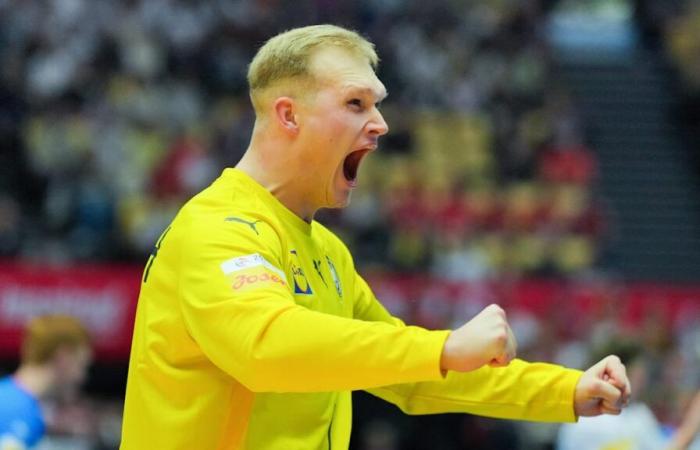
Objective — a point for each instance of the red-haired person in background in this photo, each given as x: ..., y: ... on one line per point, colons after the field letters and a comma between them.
x: 55, y: 356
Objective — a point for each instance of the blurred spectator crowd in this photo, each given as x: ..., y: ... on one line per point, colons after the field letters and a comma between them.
x: 114, y: 113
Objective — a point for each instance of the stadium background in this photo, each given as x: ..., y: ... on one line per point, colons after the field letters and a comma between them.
x: 542, y: 155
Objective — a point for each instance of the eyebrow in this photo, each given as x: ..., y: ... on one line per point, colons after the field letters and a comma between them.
x: 379, y: 95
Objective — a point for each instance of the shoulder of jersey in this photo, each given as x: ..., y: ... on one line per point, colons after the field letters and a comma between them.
x: 335, y: 244
x: 211, y: 212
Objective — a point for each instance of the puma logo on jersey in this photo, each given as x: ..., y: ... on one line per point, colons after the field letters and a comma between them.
x: 246, y: 222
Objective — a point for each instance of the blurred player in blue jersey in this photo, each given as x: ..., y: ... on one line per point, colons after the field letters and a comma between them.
x: 55, y: 356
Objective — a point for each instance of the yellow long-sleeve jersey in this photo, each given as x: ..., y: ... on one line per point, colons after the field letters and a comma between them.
x: 253, y: 328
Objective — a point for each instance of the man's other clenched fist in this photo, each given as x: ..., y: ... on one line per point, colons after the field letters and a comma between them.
x: 486, y: 339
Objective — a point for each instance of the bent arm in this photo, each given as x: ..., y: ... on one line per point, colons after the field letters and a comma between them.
x: 521, y: 390
x: 255, y: 332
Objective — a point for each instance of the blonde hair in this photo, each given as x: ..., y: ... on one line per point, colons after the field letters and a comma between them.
x: 287, y: 55
x: 45, y: 335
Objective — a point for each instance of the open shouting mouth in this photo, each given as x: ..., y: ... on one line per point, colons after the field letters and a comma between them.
x: 352, y: 163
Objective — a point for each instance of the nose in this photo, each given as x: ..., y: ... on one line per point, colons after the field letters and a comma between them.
x: 377, y: 126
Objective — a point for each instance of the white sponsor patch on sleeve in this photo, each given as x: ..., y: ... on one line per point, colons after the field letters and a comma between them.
x: 247, y: 261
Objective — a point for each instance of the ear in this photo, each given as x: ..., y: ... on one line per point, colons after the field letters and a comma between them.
x: 285, y: 114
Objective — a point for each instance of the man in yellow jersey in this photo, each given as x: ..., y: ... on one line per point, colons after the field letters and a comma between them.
x: 253, y: 326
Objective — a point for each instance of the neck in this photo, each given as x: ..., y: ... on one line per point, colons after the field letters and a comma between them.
x: 35, y: 379
x: 278, y: 175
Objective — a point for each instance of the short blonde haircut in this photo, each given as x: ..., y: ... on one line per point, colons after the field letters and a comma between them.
x: 287, y: 55
x: 45, y: 335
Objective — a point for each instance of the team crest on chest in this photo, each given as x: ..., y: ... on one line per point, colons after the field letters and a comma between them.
x: 301, y: 283
x: 336, y: 278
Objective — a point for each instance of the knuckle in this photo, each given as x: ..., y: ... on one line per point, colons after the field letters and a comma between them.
x: 501, y: 337
x: 496, y: 309
x: 597, y: 386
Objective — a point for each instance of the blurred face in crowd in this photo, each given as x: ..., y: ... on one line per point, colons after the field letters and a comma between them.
x: 339, y: 124
x: 69, y: 366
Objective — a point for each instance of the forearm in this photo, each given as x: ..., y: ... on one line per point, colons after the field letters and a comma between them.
x: 272, y: 345
x: 690, y: 426
x: 530, y: 391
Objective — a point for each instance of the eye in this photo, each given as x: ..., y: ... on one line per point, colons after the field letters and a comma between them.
x: 355, y: 103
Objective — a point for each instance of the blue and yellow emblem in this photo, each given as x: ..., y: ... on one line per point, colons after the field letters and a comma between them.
x: 301, y: 283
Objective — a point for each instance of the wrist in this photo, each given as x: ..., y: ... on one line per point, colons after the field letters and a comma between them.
x: 445, y: 356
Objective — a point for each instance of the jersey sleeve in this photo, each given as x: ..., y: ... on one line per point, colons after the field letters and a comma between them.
x: 522, y: 390
x: 239, y: 309
x: 21, y: 421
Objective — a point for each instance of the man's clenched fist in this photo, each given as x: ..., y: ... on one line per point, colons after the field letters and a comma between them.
x: 603, y: 389
x: 486, y: 339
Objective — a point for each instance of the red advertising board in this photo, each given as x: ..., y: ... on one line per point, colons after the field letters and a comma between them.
x: 104, y: 297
